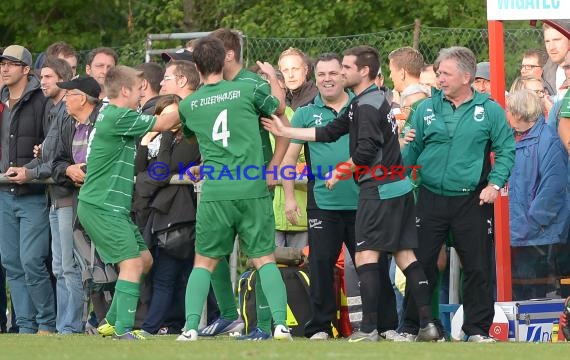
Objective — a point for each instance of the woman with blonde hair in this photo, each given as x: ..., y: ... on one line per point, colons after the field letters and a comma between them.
x: 538, y: 204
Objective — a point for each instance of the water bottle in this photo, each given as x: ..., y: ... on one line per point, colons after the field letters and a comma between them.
x: 555, y: 327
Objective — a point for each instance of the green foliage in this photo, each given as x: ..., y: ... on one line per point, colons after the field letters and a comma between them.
x: 86, y: 25
x: 309, y: 18
x: 314, y: 26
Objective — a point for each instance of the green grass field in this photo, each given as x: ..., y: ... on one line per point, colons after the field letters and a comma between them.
x: 82, y: 347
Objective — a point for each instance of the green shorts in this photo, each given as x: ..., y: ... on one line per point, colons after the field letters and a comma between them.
x: 115, y: 236
x: 218, y: 222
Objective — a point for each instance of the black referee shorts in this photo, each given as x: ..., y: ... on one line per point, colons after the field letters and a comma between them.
x: 386, y: 225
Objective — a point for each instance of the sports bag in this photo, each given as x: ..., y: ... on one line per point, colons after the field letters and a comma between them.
x: 298, y: 299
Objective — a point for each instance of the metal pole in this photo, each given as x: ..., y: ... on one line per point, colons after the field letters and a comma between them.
x: 502, y: 234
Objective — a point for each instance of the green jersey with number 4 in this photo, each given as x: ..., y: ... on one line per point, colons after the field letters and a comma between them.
x: 225, y: 118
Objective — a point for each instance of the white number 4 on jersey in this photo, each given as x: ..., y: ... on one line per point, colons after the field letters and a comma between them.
x: 220, y: 129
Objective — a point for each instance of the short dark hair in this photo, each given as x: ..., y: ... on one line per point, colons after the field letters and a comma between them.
x: 188, y: 70
x: 329, y: 56
x: 409, y: 59
x: 102, y: 50
x: 540, y: 54
x: 59, y: 66
x: 231, y: 40
x: 209, y: 54
x: 61, y: 48
x: 153, y: 73
x: 365, y: 56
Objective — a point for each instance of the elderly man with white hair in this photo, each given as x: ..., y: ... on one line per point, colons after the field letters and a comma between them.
x: 411, y: 97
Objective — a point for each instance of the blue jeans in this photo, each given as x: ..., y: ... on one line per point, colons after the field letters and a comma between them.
x: 169, y: 277
x: 69, y: 288
x: 24, y: 247
x: 399, y: 296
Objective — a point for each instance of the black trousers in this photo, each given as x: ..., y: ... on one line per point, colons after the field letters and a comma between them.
x: 472, y: 228
x: 327, y: 233
x: 328, y: 230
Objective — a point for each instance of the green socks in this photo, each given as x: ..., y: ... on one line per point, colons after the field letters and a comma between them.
x: 262, y: 308
x: 222, y: 285
x: 196, y: 293
x: 274, y: 289
x: 111, y: 315
x: 126, y: 298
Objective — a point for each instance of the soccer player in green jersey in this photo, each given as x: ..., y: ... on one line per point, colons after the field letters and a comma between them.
x: 229, y: 321
x: 224, y: 116
x: 106, y: 196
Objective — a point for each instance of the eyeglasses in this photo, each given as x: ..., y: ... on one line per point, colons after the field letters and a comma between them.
x: 10, y: 64
x: 529, y: 67
x: 169, y: 77
x: 540, y: 93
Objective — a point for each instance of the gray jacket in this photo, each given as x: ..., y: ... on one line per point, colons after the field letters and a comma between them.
x: 549, y: 77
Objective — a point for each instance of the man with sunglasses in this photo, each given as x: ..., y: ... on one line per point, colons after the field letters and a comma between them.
x: 24, y: 224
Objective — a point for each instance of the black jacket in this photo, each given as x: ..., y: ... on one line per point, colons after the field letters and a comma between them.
x: 23, y: 126
x: 156, y: 204
x: 373, y: 138
x: 148, y: 107
x: 41, y: 168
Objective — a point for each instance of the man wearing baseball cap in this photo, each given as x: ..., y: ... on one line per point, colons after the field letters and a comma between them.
x: 180, y: 54
x: 24, y: 224
x: 482, y: 81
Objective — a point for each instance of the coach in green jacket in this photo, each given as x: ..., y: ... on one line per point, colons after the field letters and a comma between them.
x: 456, y: 129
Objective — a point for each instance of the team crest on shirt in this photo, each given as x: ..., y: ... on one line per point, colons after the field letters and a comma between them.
x: 392, y: 121
x: 350, y: 112
x: 479, y: 113
x: 429, y: 116
x: 318, y: 119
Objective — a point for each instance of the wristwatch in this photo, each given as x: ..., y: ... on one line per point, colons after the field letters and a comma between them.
x: 496, y: 187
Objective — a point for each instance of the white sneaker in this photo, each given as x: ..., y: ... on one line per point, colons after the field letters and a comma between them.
x: 410, y: 337
x: 393, y: 335
x: 282, y: 333
x: 480, y: 339
x: 321, y: 335
x: 190, y: 335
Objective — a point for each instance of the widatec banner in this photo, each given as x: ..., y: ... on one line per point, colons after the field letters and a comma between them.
x: 528, y: 9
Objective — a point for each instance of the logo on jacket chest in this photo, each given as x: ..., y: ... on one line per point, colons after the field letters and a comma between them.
x: 392, y: 122
x: 479, y: 113
x: 429, y: 116
x: 351, y: 112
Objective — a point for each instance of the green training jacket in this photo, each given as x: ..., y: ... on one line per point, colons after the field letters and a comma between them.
x: 454, y: 154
